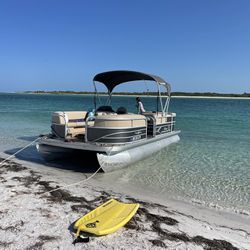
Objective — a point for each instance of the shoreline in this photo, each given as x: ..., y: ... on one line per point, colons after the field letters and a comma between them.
x: 191, y: 207
x: 213, y: 97
x: 141, y: 95
x: 157, y: 224
x: 139, y: 191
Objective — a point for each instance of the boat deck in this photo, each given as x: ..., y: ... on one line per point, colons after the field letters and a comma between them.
x: 100, y: 147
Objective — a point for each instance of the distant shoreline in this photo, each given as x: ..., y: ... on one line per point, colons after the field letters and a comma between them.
x: 206, y: 95
x: 213, y: 97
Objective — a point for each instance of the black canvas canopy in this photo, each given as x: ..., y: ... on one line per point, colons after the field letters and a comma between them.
x: 113, y: 78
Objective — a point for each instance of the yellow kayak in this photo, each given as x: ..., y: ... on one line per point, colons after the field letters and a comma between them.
x: 107, y: 218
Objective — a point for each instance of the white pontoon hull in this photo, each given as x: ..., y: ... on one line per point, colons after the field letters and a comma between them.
x: 128, y: 157
x: 109, y: 158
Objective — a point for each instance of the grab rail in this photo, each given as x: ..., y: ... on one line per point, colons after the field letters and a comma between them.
x: 64, y: 116
x: 86, y: 128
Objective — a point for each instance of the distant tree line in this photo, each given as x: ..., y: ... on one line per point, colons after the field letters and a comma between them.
x: 208, y: 94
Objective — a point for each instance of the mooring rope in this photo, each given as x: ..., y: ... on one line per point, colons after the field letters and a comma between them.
x: 76, y: 183
x: 55, y: 189
x: 20, y: 150
x: 72, y: 184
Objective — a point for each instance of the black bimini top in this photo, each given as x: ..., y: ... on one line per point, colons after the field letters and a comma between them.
x: 113, y: 78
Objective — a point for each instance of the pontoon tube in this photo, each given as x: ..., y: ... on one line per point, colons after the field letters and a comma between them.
x: 120, y: 160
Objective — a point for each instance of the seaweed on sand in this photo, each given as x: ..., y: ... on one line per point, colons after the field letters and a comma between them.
x: 2, y: 179
x: 157, y: 220
x: 11, y: 166
x: 158, y: 243
x: 213, y: 244
x: 147, y: 204
x: 61, y: 195
x: 14, y: 167
x: 133, y: 224
x: 14, y: 228
x: 42, y: 239
x: 4, y: 244
x: 27, y: 180
x: 207, y: 244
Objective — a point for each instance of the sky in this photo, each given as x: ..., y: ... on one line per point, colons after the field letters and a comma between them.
x: 196, y: 45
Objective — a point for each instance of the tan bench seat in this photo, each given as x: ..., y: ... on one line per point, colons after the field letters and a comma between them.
x: 75, y: 122
x: 74, y: 118
x: 120, y: 121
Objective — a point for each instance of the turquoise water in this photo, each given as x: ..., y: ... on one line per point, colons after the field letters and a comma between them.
x: 210, y: 164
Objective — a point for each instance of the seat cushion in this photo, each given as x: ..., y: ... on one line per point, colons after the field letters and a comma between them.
x: 118, y: 121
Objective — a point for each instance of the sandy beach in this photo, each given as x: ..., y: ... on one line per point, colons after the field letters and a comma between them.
x: 34, y: 219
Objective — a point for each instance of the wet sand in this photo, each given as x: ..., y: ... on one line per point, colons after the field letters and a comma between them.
x: 30, y: 218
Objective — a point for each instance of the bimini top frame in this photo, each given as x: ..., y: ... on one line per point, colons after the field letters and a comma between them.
x: 113, y: 78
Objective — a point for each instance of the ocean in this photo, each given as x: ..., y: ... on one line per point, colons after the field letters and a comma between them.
x: 210, y: 165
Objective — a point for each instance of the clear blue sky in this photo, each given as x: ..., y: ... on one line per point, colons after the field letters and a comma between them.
x: 196, y: 45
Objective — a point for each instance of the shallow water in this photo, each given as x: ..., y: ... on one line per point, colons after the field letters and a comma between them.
x: 210, y: 164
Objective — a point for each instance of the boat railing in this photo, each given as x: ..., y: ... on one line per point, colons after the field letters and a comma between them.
x: 164, y: 123
x: 171, y: 123
x: 65, y: 119
x: 86, y: 127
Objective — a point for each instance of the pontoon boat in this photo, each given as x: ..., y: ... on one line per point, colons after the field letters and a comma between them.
x: 116, y: 138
